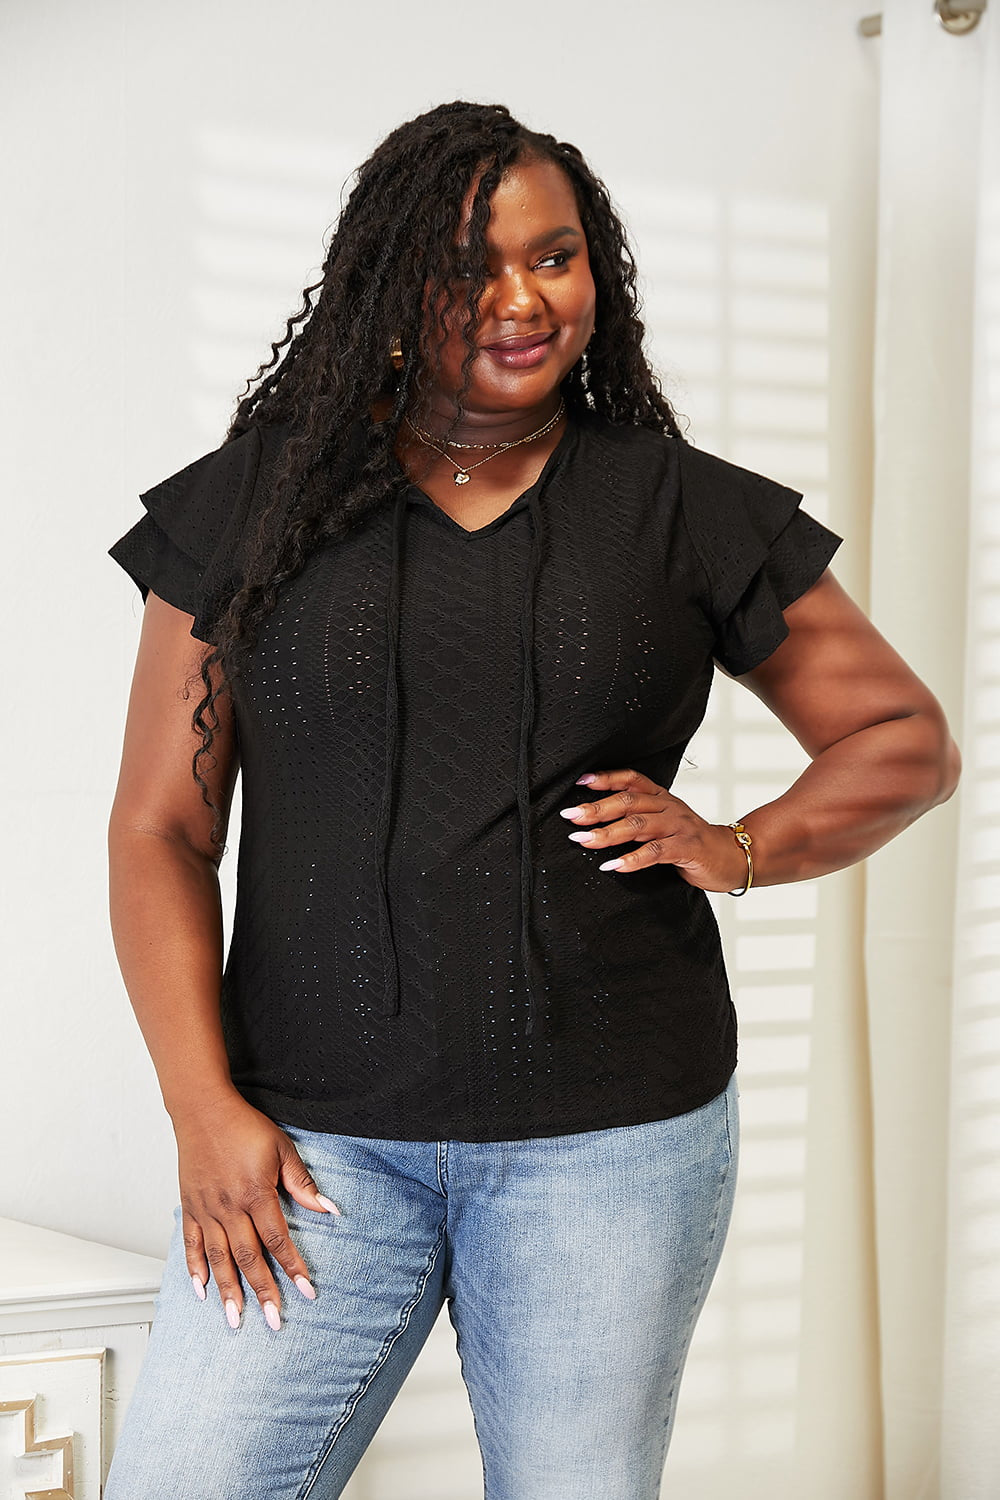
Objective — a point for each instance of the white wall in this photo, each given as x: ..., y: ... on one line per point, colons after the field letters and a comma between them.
x: 175, y: 170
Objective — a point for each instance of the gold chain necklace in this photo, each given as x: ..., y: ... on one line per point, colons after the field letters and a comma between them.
x: 463, y: 472
x: 428, y: 437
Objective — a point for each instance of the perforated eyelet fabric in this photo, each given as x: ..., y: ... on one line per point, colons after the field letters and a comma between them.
x: 418, y: 950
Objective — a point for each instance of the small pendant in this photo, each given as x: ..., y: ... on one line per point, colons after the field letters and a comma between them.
x: 462, y: 478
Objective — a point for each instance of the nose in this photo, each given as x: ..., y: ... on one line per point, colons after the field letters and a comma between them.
x: 516, y: 298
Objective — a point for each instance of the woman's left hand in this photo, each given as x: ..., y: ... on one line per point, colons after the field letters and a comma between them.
x: 632, y: 808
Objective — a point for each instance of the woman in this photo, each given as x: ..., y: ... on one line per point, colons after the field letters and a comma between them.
x: 456, y: 581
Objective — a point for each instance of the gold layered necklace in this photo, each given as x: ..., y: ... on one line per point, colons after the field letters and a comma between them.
x: 463, y: 472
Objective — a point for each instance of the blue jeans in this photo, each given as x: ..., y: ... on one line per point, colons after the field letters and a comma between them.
x: 574, y: 1268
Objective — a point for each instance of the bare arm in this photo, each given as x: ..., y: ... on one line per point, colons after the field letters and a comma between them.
x: 166, y: 920
x: 882, y: 755
x: 166, y: 912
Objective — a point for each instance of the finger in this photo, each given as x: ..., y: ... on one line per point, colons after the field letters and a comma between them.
x: 639, y: 826
x: 653, y: 852
x: 248, y: 1253
x: 618, y: 802
x: 272, y: 1229
x: 194, y: 1253
x: 615, y: 779
x: 298, y: 1182
x: 219, y: 1255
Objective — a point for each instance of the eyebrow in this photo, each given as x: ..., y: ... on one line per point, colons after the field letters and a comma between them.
x: 553, y: 234
x: 541, y: 239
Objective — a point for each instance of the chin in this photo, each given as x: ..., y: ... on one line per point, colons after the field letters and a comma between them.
x: 522, y: 388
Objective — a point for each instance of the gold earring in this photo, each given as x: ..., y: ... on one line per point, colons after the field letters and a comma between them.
x: 396, y: 353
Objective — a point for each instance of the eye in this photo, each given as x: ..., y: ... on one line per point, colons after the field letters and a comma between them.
x: 561, y: 255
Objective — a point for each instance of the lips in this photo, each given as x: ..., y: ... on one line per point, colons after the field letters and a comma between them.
x: 521, y: 341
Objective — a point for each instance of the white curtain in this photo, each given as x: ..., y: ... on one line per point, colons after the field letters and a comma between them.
x: 932, y: 946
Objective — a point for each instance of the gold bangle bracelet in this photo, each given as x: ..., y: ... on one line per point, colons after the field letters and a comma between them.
x: 744, y: 840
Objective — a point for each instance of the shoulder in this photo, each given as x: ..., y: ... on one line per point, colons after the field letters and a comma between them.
x: 644, y: 448
x: 199, y: 503
x: 625, y: 438
x: 187, y: 545
x: 231, y: 457
x: 709, y: 485
x: 707, y: 477
x: 622, y: 456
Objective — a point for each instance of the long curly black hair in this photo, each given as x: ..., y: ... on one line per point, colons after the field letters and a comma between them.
x: 394, y: 246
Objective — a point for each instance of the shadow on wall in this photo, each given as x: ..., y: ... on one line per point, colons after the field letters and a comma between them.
x: 739, y: 299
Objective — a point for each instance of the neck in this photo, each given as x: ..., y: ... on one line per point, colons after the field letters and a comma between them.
x: 488, y: 428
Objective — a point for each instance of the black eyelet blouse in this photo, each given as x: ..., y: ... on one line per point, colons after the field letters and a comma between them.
x: 419, y: 951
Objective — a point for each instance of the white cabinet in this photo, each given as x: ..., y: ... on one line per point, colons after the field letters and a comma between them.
x: 74, y: 1320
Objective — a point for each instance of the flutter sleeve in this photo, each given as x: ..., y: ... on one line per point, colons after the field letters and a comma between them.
x: 184, y: 547
x: 758, y: 550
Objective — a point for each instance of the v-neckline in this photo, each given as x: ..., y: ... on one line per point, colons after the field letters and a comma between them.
x: 414, y: 492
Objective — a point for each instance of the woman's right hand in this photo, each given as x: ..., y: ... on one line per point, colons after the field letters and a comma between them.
x: 230, y: 1160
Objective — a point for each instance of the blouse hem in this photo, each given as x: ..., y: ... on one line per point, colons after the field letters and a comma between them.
x: 317, y: 1115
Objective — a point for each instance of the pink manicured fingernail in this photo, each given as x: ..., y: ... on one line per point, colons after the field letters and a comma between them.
x: 271, y: 1314
x: 331, y: 1208
x: 198, y: 1285
x: 570, y: 812
x: 582, y: 838
x: 586, y: 779
x: 232, y: 1314
x: 305, y: 1286
x: 611, y: 864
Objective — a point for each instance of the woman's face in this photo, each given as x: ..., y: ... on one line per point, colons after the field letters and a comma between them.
x: 539, y: 287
